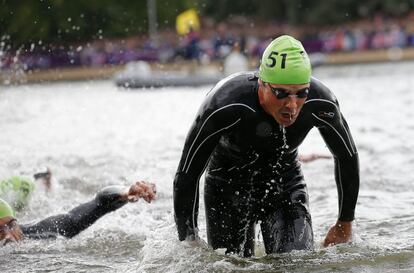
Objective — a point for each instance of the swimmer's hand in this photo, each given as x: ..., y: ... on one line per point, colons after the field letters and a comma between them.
x: 195, y: 241
x: 339, y: 233
x: 191, y: 238
x: 44, y: 176
x: 191, y: 233
x: 141, y: 189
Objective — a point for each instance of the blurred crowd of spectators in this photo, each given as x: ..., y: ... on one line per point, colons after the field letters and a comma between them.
x: 215, y: 42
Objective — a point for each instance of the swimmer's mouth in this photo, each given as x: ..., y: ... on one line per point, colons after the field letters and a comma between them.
x: 288, y: 116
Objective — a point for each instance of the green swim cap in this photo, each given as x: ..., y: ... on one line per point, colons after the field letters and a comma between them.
x: 5, y: 209
x: 285, y: 61
x: 18, y: 183
x: 17, y: 191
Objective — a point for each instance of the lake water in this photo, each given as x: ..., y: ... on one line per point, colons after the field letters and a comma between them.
x: 93, y: 134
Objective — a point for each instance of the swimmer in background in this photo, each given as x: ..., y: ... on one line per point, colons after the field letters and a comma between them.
x: 17, y: 190
x: 76, y: 220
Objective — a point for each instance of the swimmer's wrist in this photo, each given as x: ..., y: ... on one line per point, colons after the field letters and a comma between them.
x: 191, y: 237
x: 343, y: 223
x: 192, y: 234
x: 110, y: 194
x: 344, y: 226
x: 186, y: 233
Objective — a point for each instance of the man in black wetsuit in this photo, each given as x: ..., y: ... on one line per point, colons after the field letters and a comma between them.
x: 245, y: 136
x: 78, y: 219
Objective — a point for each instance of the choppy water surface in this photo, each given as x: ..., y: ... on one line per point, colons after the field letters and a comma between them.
x: 91, y: 134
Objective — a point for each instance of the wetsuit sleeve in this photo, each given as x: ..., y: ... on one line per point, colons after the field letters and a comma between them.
x: 79, y: 218
x: 203, y: 137
x: 336, y: 134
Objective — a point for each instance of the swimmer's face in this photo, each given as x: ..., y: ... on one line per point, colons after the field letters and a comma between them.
x: 9, y: 230
x: 283, y: 101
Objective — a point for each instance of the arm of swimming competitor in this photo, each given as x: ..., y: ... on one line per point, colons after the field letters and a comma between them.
x: 196, y: 153
x: 337, y: 136
x: 81, y: 217
x: 201, y: 140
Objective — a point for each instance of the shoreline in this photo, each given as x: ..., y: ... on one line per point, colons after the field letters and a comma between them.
x: 108, y: 71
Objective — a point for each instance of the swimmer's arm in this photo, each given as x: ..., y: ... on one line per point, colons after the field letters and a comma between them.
x: 203, y: 137
x: 338, y: 138
x: 81, y: 217
x: 186, y: 194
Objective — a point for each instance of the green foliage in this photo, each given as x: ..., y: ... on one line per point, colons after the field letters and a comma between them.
x: 57, y: 21
x: 60, y: 21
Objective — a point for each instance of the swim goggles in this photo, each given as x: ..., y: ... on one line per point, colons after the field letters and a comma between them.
x: 281, y: 93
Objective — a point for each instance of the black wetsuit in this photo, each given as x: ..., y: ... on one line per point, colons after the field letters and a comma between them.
x: 252, y: 169
x: 79, y: 218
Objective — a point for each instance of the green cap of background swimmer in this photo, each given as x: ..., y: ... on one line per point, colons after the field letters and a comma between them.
x: 285, y: 61
x: 5, y: 209
x: 20, y: 183
x: 18, y: 190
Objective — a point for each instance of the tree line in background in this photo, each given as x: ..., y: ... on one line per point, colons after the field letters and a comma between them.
x: 23, y: 22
